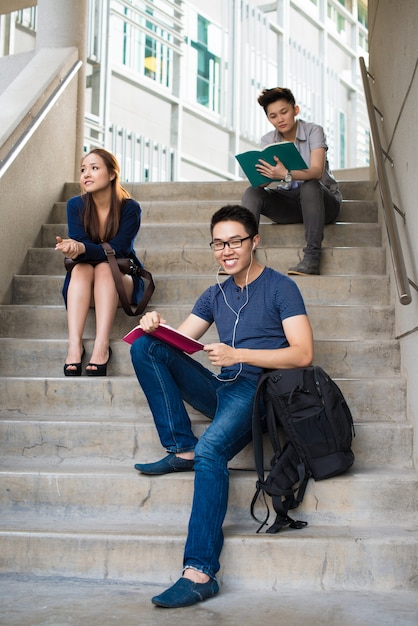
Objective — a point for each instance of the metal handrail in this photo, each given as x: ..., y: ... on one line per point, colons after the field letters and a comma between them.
x: 37, y: 120
x: 401, y: 278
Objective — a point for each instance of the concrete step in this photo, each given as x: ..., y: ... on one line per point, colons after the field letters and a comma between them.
x: 49, y: 601
x: 329, y: 322
x: 72, y: 504
x: 342, y: 359
x: 188, y: 236
x: 358, y: 359
x: 353, y: 557
x: 158, y: 211
x: 320, y: 290
x: 375, y: 399
x: 224, y: 191
x: 334, y: 261
x: 118, y: 493
x: 76, y: 439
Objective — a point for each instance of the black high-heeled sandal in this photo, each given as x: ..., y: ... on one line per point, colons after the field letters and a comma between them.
x: 77, y: 370
x: 101, y: 369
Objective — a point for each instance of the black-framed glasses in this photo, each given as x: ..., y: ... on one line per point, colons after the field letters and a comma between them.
x: 217, y: 246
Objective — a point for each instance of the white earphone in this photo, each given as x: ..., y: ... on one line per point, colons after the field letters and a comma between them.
x: 237, y: 318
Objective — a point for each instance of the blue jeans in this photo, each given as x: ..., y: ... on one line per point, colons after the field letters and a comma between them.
x: 169, y: 377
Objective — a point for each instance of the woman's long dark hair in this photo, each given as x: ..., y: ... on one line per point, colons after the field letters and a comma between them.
x: 118, y: 195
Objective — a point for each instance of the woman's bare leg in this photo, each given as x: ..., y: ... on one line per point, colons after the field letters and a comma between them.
x: 78, y: 303
x: 106, y: 300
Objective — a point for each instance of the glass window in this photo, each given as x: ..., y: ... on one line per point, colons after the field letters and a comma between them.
x: 144, y: 38
x: 342, y: 139
x: 205, y: 46
x: 336, y: 16
x: 367, y: 144
x: 362, y: 15
x: 27, y: 18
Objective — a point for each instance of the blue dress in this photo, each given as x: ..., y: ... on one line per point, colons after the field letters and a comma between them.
x: 122, y: 242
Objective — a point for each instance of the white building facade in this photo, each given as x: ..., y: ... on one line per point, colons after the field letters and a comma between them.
x: 172, y: 85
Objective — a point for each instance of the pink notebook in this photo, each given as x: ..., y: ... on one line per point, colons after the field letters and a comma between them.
x: 170, y: 335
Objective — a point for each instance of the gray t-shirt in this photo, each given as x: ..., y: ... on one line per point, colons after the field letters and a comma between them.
x: 308, y: 137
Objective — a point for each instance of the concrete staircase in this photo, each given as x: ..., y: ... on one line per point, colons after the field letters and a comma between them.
x: 71, y: 503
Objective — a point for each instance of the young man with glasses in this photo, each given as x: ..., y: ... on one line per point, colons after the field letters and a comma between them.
x: 262, y: 324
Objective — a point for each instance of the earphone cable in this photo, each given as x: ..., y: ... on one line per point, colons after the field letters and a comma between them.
x: 237, y: 318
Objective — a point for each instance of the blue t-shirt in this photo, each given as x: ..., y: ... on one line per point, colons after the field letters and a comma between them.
x: 255, y: 321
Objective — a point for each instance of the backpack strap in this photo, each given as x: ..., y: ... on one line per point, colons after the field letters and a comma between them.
x: 295, y: 496
x: 283, y: 499
x: 283, y: 521
x: 258, y: 449
x: 257, y: 428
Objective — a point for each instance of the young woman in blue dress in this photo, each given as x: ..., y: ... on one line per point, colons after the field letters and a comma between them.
x: 104, y: 212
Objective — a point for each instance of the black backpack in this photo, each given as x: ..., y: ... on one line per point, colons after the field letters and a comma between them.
x: 310, y: 428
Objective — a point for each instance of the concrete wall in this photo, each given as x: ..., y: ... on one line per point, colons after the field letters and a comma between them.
x: 7, y: 6
x: 29, y: 91
x: 35, y: 180
x: 10, y: 67
x: 393, y: 39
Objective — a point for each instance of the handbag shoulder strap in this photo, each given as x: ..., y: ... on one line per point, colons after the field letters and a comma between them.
x: 117, y: 277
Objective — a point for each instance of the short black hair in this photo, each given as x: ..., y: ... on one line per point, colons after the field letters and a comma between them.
x: 235, y: 213
x: 267, y: 96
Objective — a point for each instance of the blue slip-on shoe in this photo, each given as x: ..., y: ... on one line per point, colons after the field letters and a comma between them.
x: 185, y: 593
x: 167, y: 465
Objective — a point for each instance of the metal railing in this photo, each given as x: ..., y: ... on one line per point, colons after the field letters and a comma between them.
x: 401, y: 278
x: 141, y: 159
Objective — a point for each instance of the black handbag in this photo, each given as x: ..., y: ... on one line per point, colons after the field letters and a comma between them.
x: 119, y: 267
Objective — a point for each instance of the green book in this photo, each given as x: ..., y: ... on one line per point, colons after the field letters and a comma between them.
x: 286, y: 151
